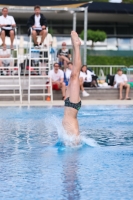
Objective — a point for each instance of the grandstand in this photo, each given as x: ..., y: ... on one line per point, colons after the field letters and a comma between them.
x: 113, y: 18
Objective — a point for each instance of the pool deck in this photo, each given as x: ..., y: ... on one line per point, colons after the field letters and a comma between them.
x: 61, y: 103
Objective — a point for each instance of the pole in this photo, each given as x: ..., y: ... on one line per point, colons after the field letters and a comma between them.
x: 85, y: 34
x: 74, y: 20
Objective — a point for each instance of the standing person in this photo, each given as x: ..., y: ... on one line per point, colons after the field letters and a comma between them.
x: 64, y: 55
x: 7, y: 25
x: 38, y: 23
x: 57, y: 77
x: 120, y: 82
x: 72, y: 100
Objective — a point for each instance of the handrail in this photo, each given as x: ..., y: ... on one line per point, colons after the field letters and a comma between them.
x: 12, y: 67
x: 108, y: 69
x: 40, y: 68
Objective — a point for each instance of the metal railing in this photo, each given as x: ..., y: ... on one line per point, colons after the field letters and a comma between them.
x: 130, y: 73
x: 45, y: 77
x: 44, y: 83
x: 13, y: 76
x: 107, y: 69
x: 11, y: 81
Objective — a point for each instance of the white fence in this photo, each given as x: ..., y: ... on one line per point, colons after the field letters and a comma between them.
x: 107, y: 69
x: 13, y: 81
x: 10, y: 79
x: 13, y: 85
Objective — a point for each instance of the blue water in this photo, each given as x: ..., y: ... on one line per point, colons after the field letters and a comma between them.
x: 33, y: 166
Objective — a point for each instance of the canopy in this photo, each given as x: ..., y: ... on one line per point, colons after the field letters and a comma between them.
x: 101, y: 7
x: 95, y: 7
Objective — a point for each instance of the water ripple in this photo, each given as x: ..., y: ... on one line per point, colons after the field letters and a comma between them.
x: 33, y: 167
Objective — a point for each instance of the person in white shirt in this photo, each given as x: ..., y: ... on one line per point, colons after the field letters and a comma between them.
x: 57, y: 77
x: 67, y: 75
x: 120, y: 81
x: 87, y: 77
x: 7, y: 25
x: 38, y: 23
x: 48, y: 41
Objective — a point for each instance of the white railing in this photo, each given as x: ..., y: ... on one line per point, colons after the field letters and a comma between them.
x: 43, y: 79
x: 130, y: 73
x: 43, y: 70
x: 14, y: 73
x: 107, y: 69
x: 11, y: 81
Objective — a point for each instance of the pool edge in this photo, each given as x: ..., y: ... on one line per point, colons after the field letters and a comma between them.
x: 61, y: 103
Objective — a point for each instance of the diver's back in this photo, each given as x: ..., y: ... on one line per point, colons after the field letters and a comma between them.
x: 70, y: 122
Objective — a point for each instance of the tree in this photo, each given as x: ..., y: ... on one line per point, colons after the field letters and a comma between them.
x: 94, y: 36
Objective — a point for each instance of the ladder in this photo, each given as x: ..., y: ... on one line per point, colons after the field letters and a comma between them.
x: 41, y: 80
x: 10, y: 75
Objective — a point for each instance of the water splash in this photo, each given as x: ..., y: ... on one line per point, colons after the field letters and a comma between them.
x: 65, y: 140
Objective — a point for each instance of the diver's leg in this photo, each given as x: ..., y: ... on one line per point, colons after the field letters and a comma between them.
x: 74, y: 84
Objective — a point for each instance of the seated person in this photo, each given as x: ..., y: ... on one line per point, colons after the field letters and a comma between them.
x: 48, y: 41
x: 57, y: 78
x: 67, y: 75
x: 87, y: 77
x: 120, y: 81
x: 38, y: 23
x: 7, y: 25
x: 64, y: 55
x: 5, y: 63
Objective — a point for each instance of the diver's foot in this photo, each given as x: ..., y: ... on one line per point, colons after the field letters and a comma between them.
x: 75, y: 39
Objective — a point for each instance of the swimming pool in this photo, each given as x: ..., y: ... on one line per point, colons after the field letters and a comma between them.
x: 34, y: 166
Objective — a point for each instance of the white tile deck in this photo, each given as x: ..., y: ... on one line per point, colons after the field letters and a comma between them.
x: 61, y: 103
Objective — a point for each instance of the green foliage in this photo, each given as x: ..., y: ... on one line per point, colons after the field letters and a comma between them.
x: 106, y: 60
x: 95, y: 36
x: 51, y: 31
x: 127, y: 1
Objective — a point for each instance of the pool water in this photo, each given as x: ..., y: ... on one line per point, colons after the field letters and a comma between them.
x: 34, y: 165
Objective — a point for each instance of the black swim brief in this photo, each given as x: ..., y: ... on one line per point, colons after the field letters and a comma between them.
x: 77, y: 106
